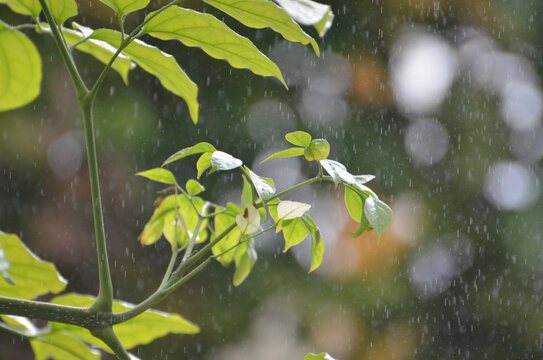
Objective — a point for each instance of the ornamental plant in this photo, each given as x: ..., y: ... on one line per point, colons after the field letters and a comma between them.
x: 198, y: 231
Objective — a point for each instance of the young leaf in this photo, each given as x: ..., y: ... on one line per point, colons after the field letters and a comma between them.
x: 249, y: 221
x: 140, y: 330
x: 317, y: 251
x: 203, y: 163
x: 321, y: 356
x: 260, y: 14
x: 194, y: 187
x: 246, y: 193
x: 159, y: 64
x: 318, y: 149
x: 233, y: 209
x: 24, y: 7
x: 263, y: 186
x: 290, y: 152
x: 123, y: 7
x: 307, y: 12
x: 245, y: 261
x: 378, y: 214
x: 20, y: 69
x: 337, y: 171
x: 57, y: 345
x: 294, y: 232
x: 354, y: 203
x: 223, y: 161
x: 212, y: 36
x: 299, y: 138
x: 287, y: 210
x: 31, y: 275
x: 221, y: 222
x: 159, y: 175
x: 362, y: 179
x: 62, y: 10
x: 199, y: 148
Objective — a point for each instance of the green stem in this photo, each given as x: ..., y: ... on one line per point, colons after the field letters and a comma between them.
x: 107, y: 335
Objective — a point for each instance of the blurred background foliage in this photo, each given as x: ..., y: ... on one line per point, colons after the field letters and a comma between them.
x: 440, y: 99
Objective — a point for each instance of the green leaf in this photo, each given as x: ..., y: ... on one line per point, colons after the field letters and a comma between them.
x: 317, y: 251
x: 294, y: 232
x: 203, y: 163
x: 212, y: 36
x: 290, y: 152
x: 307, y: 12
x: 299, y: 138
x: 62, y: 10
x: 262, y: 13
x: 321, y: 356
x: 61, y: 346
x: 199, y: 148
x: 233, y: 209
x: 318, y: 149
x: 123, y: 7
x: 354, y: 203
x: 337, y: 171
x: 31, y: 275
x: 264, y: 186
x: 378, y: 214
x: 20, y: 69
x: 287, y: 210
x: 159, y: 175
x: 223, y: 161
x: 246, y: 193
x: 159, y: 64
x: 362, y: 179
x: 245, y: 261
x: 101, y: 50
x: 24, y: 7
x: 4, y: 267
x: 194, y: 187
x: 249, y: 221
x: 221, y: 222
x: 140, y: 330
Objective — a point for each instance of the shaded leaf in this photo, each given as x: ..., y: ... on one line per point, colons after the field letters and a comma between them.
x: 62, y: 10
x: 264, y: 186
x: 246, y: 193
x: 159, y: 64
x: 262, y: 13
x: 223, y: 161
x: 199, y: 148
x: 212, y: 36
x: 287, y: 209
x: 159, y: 175
x: 299, y: 138
x: 249, y: 221
x: 318, y: 149
x: 24, y: 7
x: 62, y: 347
x: 31, y: 275
x: 123, y: 7
x: 321, y: 356
x: 294, y: 232
x: 20, y: 69
x: 194, y: 187
x: 245, y: 261
x: 290, y: 152
x: 378, y: 214
x: 307, y: 12
x: 203, y: 163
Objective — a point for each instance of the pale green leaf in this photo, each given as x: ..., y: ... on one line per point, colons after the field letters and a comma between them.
x: 123, y: 7
x: 233, y: 209
x: 362, y: 179
x: 223, y: 161
x: 31, y: 275
x: 378, y: 214
x: 212, y: 36
x: 318, y: 149
x: 24, y: 7
x: 140, y: 330
x: 194, y: 187
x: 20, y: 69
x: 317, y: 251
x: 61, y: 346
x: 307, y: 12
x: 246, y: 192
x: 203, y: 163
x: 290, y: 152
x: 294, y: 232
x: 262, y: 13
x: 321, y: 356
x: 299, y: 138
x: 287, y: 210
x: 337, y: 171
x: 4, y: 267
x: 159, y: 175
x: 199, y: 148
x: 354, y: 203
x: 62, y: 10
x: 159, y: 64
x: 245, y: 262
x: 224, y: 248
x: 263, y: 186
x: 249, y: 221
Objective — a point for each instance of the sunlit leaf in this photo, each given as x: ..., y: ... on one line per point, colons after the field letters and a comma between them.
x: 246, y: 192
x: 4, y: 267
x: 159, y: 175
x: 199, y: 148
x: 317, y: 251
x: 62, y: 347
x: 378, y: 214
x: 203, y: 163
x: 362, y: 179
x: 24, y: 7
x: 20, y: 69
x: 213, y: 36
x: 233, y: 209
x: 307, y: 12
x: 321, y: 356
x: 263, y: 186
x: 355, y: 205
x: 249, y: 221
x: 31, y: 275
x: 290, y: 152
x: 262, y: 13
x: 159, y: 64
x: 62, y: 9
x: 194, y: 187
x: 124, y: 7
x: 299, y: 138
x: 337, y: 171
x: 245, y: 261
x: 141, y: 330
x: 287, y: 209
x: 318, y: 149
x: 294, y: 232
x: 225, y: 246
x: 223, y: 161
